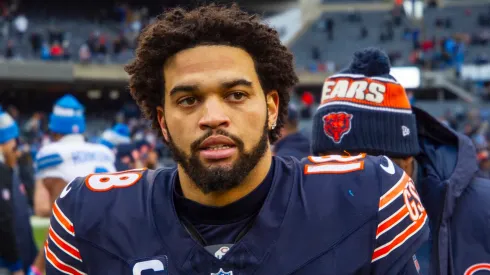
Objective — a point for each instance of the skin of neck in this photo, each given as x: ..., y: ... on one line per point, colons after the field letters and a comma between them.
x: 410, y: 171
x: 407, y: 164
x: 218, y: 199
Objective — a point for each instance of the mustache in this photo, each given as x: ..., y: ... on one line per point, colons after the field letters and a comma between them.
x: 219, y: 132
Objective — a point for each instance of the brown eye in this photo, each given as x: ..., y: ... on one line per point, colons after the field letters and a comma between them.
x: 188, y: 101
x: 236, y: 96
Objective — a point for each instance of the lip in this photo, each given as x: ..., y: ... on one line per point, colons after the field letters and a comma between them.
x: 216, y: 140
x: 217, y: 154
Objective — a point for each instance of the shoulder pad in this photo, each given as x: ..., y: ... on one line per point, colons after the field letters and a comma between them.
x: 387, y: 191
x: 96, y: 190
x: 48, y: 157
x: 355, y: 177
x: 402, y: 219
x: 374, y: 168
x: 334, y: 164
x: 104, y: 182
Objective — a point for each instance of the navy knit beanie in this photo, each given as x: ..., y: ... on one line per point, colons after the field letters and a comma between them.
x: 364, y: 109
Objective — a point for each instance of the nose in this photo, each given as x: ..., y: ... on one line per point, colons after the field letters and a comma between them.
x: 214, y: 115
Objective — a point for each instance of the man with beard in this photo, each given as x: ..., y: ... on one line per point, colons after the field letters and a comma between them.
x: 215, y: 81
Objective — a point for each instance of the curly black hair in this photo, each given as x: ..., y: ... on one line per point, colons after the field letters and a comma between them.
x: 179, y: 29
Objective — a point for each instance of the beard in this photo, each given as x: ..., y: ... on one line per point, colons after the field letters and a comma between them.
x: 219, y: 179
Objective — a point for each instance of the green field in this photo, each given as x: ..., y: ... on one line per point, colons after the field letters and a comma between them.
x: 39, y: 229
x: 40, y: 235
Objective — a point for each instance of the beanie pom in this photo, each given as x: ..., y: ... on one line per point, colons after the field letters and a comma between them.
x: 370, y: 62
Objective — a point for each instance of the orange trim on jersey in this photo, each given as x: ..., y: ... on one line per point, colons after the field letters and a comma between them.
x: 400, y: 239
x: 394, y: 96
x: 60, y: 265
x: 477, y: 267
x: 64, y: 245
x: 63, y: 220
x: 391, y: 221
x: 335, y: 158
x: 333, y: 168
x: 394, y: 192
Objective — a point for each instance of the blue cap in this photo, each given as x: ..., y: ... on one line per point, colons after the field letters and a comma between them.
x: 118, y: 134
x: 8, y: 127
x: 67, y: 117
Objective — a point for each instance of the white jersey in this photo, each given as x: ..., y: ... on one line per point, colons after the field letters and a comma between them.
x: 72, y: 157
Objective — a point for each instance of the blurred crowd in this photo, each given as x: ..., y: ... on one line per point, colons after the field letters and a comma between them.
x: 441, y: 48
x: 113, y: 42
x: 443, y: 52
x: 473, y: 123
x: 145, y: 148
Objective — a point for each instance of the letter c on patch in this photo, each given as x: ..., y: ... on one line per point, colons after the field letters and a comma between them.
x: 155, y: 265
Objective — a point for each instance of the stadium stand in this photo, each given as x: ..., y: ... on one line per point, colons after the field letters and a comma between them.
x: 395, y: 33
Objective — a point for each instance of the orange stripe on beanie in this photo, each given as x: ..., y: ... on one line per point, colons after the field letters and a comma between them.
x: 364, y: 108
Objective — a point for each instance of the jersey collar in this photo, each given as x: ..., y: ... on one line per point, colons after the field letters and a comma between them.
x: 256, y: 242
x: 72, y: 138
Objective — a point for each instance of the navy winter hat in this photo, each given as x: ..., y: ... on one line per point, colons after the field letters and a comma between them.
x: 364, y: 109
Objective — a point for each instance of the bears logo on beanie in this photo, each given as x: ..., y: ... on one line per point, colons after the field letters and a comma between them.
x: 364, y: 109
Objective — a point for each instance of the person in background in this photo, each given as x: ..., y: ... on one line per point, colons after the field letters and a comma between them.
x: 84, y: 54
x: 17, y: 247
x: 21, y: 24
x: 441, y: 162
x: 117, y: 135
x: 484, y: 163
x: 56, y: 51
x: 151, y: 160
x: 148, y: 156
x: 125, y: 158
x: 36, y: 41
x: 10, y: 51
x: 118, y: 140
x: 69, y: 155
x: 292, y: 142
x: 26, y: 169
x: 45, y: 51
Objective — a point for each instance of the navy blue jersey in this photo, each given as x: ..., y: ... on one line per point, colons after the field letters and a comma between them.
x: 322, y: 215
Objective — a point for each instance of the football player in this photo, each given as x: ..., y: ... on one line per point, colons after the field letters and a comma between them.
x: 68, y: 156
x: 365, y: 109
x: 119, y: 134
x: 215, y: 81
